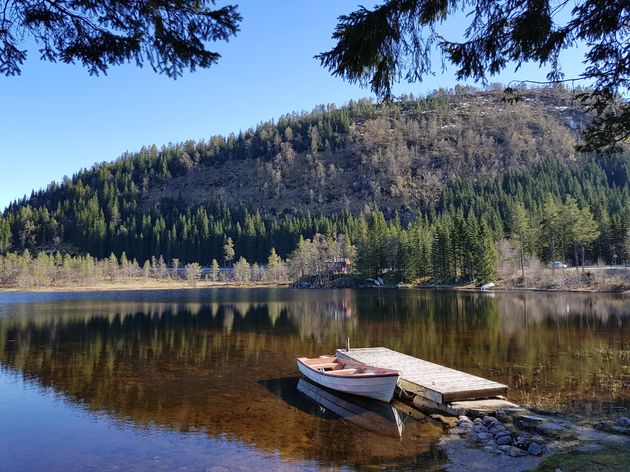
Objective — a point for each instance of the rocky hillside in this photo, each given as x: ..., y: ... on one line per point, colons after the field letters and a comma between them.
x: 392, y: 156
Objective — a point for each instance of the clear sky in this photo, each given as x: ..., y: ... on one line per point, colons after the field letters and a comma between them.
x: 57, y: 119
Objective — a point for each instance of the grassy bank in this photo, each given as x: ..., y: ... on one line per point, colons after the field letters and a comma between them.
x: 609, y: 279
x: 139, y: 284
x: 604, y: 279
x: 609, y: 458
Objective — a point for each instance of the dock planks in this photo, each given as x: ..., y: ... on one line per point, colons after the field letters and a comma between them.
x: 431, y: 381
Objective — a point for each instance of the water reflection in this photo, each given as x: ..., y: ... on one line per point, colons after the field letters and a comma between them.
x: 375, y: 416
x: 213, y: 361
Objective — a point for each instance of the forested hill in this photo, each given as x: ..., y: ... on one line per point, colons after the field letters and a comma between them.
x: 320, y: 172
x: 362, y: 155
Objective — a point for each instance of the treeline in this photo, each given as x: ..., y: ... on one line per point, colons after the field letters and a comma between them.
x: 456, y: 247
x: 42, y: 270
x: 448, y: 247
x: 446, y: 250
x: 558, y: 200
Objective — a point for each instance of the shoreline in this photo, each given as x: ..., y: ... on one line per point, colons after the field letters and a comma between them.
x: 499, y: 289
x: 563, y: 283
x: 135, y: 285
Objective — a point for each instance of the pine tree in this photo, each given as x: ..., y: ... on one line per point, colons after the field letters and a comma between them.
x: 376, y: 255
x: 5, y: 235
x: 228, y: 251
x: 570, y: 217
x: 215, y: 270
x: 470, y: 247
x: 521, y: 232
x: 587, y: 230
x: 487, y: 256
x: 441, y: 254
x: 550, y: 225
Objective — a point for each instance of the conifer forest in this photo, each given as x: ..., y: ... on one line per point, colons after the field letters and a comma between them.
x: 443, y: 188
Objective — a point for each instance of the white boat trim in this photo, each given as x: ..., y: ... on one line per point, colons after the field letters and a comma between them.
x: 350, y: 377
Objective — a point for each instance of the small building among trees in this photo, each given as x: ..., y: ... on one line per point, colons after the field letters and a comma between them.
x: 338, y: 265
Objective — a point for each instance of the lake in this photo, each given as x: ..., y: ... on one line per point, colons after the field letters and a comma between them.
x: 205, y: 380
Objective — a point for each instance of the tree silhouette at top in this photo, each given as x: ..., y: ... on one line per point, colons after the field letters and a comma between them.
x: 169, y: 35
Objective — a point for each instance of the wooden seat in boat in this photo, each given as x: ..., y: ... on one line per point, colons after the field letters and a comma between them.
x: 345, y: 372
x: 328, y: 365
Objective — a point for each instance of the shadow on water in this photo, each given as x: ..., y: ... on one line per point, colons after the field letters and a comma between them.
x: 378, y: 417
x: 223, y: 362
x: 371, y: 415
x: 355, y: 427
x: 286, y: 389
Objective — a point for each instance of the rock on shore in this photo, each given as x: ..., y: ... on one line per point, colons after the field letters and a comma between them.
x: 514, y: 441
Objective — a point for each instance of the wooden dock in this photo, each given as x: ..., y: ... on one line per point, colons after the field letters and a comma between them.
x: 431, y: 381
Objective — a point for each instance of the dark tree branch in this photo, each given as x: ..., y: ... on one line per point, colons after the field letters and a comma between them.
x: 171, y: 35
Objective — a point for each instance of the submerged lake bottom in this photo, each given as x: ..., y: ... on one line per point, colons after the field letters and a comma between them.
x: 202, y: 380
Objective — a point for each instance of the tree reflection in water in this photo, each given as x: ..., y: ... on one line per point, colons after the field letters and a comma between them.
x: 212, y: 360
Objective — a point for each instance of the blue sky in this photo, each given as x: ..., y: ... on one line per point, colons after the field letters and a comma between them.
x: 57, y: 119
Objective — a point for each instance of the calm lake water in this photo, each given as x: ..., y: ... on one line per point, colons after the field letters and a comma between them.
x: 206, y: 379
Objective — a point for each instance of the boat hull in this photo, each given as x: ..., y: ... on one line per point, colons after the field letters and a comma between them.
x: 379, y: 387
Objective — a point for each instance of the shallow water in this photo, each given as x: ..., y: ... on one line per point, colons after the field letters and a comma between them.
x: 196, y: 380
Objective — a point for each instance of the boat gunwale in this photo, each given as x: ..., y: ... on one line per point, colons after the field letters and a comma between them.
x: 383, y: 372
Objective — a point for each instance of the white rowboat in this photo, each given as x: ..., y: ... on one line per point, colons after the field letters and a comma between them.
x: 350, y: 376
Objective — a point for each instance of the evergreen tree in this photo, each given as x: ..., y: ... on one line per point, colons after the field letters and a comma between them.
x: 587, y: 230
x: 228, y: 251
x: 551, y: 225
x: 402, y: 36
x: 441, y: 254
x: 5, y: 235
x: 168, y: 36
x: 570, y: 217
x: 215, y: 270
x: 487, y: 256
x: 470, y: 248
x: 521, y: 232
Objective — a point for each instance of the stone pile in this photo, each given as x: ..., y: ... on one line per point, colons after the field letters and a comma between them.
x: 495, y: 437
x: 621, y: 426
